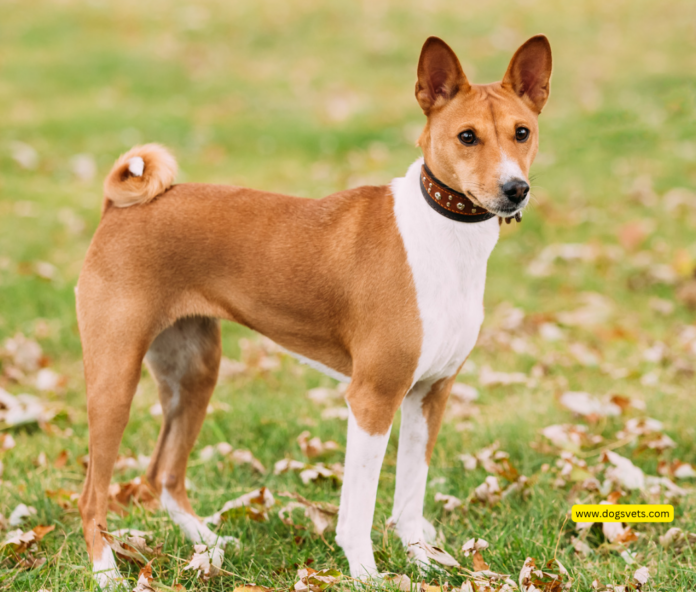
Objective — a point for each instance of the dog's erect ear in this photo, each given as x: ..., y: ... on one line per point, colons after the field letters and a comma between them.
x: 440, y: 75
x: 529, y: 72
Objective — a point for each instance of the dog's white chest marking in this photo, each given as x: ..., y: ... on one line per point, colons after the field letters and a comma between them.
x: 448, y: 260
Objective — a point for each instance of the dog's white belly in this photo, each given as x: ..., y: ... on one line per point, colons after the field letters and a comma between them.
x: 448, y: 261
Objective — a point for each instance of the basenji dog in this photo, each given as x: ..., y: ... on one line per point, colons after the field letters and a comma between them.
x: 379, y: 286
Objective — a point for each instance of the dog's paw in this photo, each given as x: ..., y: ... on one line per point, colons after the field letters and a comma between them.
x: 429, y: 532
x: 106, y: 572
x: 229, y: 541
x: 417, y: 555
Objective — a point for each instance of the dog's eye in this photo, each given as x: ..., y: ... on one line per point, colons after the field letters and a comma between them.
x: 521, y: 134
x: 467, y: 137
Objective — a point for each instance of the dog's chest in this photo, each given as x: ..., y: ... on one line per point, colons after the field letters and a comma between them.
x: 448, y: 261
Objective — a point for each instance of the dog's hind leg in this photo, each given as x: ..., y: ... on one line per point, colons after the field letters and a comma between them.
x: 184, y: 360
x: 421, y: 416
x: 113, y: 356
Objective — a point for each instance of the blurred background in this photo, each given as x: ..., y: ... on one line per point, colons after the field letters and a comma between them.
x: 593, y: 292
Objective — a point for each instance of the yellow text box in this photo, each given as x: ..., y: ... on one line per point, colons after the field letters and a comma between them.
x: 622, y: 513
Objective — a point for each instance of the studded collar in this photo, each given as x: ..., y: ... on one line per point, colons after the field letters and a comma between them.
x: 448, y: 202
x: 452, y: 204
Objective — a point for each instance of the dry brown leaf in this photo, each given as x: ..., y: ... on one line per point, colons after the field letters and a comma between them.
x: 314, y: 447
x: 570, y: 437
x: 489, y: 377
x: 401, y: 581
x: 135, y: 491
x: 206, y: 561
x: 489, y: 491
x: 145, y: 579
x: 676, y: 469
x: 124, y: 463
x: 311, y: 580
x: 686, y: 294
x: 322, y: 514
x: 587, y: 406
x: 435, y: 553
x: 553, y: 577
x: 6, y: 442
x: 132, y: 544
x: 675, y: 538
x: 21, y: 513
x: 23, y: 409
x: 226, y: 450
x: 450, y: 503
x: 479, y: 563
x: 64, y: 498
x: 61, y: 460
x: 18, y: 541
x: 253, y: 505
x: 632, y: 234
x: 624, y: 472
x: 310, y: 472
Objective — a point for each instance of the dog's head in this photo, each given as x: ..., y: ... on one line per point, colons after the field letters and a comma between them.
x: 482, y: 139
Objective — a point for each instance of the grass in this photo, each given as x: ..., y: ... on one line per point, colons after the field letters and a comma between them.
x: 311, y: 97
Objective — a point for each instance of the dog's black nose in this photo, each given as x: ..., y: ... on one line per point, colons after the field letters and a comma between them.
x: 516, y: 190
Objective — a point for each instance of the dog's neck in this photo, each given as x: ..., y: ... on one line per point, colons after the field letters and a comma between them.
x: 448, y: 202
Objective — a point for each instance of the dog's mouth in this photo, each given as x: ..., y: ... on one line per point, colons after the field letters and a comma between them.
x: 505, y: 211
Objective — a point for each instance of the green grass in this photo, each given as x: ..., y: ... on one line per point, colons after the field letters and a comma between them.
x: 308, y: 98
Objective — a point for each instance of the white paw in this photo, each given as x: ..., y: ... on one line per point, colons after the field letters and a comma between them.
x: 418, y: 556
x: 106, y: 572
x: 429, y: 532
x: 229, y: 540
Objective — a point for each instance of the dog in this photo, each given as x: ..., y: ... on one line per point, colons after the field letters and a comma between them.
x: 379, y: 286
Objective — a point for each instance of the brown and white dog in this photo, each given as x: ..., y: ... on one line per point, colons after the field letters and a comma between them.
x: 379, y: 286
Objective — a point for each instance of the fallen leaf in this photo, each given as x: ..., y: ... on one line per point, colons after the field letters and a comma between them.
x: 313, y: 447
x: 254, y: 505
x: 324, y: 396
x: 552, y: 578
x: 489, y: 377
x: 132, y: 544
x: 322, y: 514
x: 137, y: 490
x: 311, y: 580
x: 20, y: 514
x: 145, y: 579
x: 230, y: 369
x: 597, y: 310
x: 206, y: 561
x: 236, y: 456
x: 581, y: 547
x: 624, y: 472
x: 23, y: 409
x: 400, y: 581
x: 435, y: 553
x: 489, y: 491
x: 675, y: 538
x: 18, y: 541
x: 587, y: 406
x: 570, y: 437
x: 61, y: 460
x: 66, y: 499
x: 310, y: 472
x: 641, y: 576
x: 450, y: 502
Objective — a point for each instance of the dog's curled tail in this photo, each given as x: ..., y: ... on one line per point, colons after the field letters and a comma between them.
x: 140, y: 175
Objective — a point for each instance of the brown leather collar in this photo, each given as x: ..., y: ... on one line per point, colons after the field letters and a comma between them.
x: 453, y: 204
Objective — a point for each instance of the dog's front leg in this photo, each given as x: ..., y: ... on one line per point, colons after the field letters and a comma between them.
x: 421, y: 416
x: 369, y: 426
